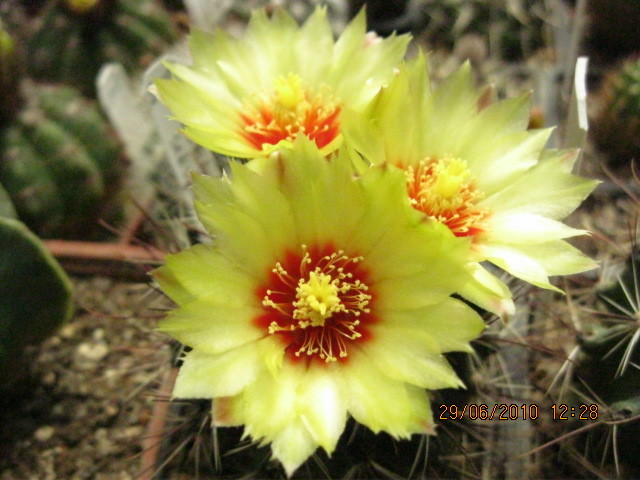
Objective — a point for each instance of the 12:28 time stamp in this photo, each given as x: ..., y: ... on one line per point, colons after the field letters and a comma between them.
x: 563, y: 411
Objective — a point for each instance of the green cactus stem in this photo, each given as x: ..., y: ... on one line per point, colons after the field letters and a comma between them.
x: 8, y: 78
x: 6, y: 207
x: 606, y: 378
x: 59, y: 162
x: 607, y: 373
x: 72, y: 39
x: 35, y: 294
x: 616, y: 127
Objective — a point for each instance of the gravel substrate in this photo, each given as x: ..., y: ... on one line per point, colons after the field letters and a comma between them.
x: 82, y: 410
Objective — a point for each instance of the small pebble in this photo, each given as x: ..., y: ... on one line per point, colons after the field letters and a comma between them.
x: 68, y: 331
x: 98, y: 334
x: 93, y: 352
x: 111, y: 411
x: 128, y: 433
x: 44, y: 433
x: 104, y: 445
x: 49, y: 378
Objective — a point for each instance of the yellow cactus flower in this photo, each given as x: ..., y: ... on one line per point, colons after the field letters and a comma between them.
x: 251, y: 96
x: 318, y: 300
x: 479, y: 171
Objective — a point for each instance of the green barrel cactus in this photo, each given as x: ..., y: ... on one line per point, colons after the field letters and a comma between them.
x: 6, y: 207
x: 607, y: 31
x: 615, y: 128
x: 607, y: 388
x: 8, y: 77
x: 606, y: 377
x: 59, y: 161
x: 59, y: 158
x: 516, y: 29
x: 72, y: 39
x: 35, y: 293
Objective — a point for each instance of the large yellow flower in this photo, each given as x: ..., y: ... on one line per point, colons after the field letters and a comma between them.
x: 248, y: 97
x: 479, y: 171
x: 323, y: 296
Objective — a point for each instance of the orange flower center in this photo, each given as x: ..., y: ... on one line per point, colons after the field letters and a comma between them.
x: 443, y: 189
x: 291, y: 109
x: 318, y: 303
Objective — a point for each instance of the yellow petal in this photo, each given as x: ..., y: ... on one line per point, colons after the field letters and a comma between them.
x: 384, y: 404
x: 270, y: 403
x: 546, y: 189
x: 322, y: 406
x: 202, y: 271
x: 488, y: 292
x: 212, y: 326
x: 293, y: 445
x: 534, y: 263
x: 411, y: 356
x: 451, y: 324
x: 205, y: 375
x: 526, y: 228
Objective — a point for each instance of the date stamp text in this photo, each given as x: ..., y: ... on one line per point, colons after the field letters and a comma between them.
x: 514, y: 411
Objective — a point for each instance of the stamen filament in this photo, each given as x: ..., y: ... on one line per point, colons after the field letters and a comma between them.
x: 291, y: 109
x: 443, y: 189
x: 324, y: 306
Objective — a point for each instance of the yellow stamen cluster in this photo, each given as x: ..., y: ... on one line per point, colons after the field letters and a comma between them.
x: 328, y: 301
x: 289, y: 110
x: 443, y: 189
x: 317, y: 298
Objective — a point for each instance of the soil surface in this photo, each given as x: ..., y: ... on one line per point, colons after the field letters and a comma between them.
x: 82, y: 410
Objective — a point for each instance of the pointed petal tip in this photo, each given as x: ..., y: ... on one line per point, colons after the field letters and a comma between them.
x: 289, y: 469
x: 505, y: 309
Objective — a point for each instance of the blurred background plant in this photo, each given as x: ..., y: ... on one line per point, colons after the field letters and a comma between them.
x: 69, y: 40
x: 616, y: 116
